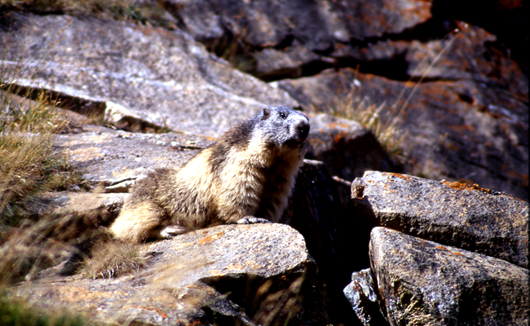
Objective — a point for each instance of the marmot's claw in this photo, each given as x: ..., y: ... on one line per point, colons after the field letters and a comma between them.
x: 252, y: 220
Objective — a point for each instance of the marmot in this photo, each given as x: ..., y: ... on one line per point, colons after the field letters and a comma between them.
x: 245, y: 177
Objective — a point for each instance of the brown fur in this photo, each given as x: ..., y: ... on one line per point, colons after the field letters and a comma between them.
x: 250, y: 171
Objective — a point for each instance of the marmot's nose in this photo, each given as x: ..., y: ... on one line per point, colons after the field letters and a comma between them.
x: 302, y: 129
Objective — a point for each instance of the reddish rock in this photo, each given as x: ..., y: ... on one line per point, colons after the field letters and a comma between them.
x: 465, y: 118
x: 229, y: 274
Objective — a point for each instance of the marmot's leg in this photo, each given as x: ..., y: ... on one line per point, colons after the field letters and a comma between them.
x: 138, y: 223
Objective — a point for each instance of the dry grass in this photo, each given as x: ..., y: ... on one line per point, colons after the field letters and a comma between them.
x: 26, y: 251
x: 386, y: 130
x: 113, y: 259
x: 28, y: 121
x: 27, y: 161
x: 28, y: 165
x: 352, y: 106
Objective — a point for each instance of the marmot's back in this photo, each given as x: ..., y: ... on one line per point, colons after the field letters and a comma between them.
x: 249, y: 171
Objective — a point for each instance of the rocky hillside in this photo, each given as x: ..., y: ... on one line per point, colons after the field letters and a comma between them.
x: 421, y: 220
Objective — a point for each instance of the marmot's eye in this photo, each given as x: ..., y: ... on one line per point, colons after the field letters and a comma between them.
x: 283, y: 115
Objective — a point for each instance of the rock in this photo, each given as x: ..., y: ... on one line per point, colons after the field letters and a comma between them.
x: 424, y: 283
x: 114, y: 157
x: 288, y: 38
x: 102, y: 206
x: 461, y: 119
x: 346, y: 147
x: 140, y: 77
x: 362, y: 295
x: 244, y: 274
x: 454, y: 214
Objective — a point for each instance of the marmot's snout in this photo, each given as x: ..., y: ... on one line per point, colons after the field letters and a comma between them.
x: 302, y: 130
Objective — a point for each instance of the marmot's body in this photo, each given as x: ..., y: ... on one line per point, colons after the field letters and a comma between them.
x: 249, y: 171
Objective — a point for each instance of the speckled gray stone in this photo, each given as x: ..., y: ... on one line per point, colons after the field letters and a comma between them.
x: 424, y: 283
x: 449, y: 213
x: 135, y: 73
x: 205, y: 276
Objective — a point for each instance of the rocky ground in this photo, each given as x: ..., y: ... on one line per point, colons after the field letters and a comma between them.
x: 437, y: 235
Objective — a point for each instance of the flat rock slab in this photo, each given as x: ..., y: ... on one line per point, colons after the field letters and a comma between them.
x: 449, y: 213
x: 101, y: 206
x: 180, y: 282
x: 234, y: 250
x: 424, y: 283
x: 131, y: 72
x: 111, y: 156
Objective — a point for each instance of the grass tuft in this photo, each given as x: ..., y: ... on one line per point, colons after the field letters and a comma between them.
x: 113, y: 259
x: 29, y: 119
x: 28, y: 163
x: 367, y: 115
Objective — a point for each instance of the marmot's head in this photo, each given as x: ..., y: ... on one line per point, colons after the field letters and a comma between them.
x: 281, y: 127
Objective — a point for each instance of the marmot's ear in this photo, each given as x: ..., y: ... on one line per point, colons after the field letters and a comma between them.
x: 266, y: 112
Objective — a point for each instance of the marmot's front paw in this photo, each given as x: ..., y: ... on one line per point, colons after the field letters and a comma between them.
x: 171, y: 230
x: 252, y: 220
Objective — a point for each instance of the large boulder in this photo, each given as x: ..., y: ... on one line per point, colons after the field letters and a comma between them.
x: 471, y: 218
x: 421, y: 282
x: 139, y: 77
x: 245, y: 275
